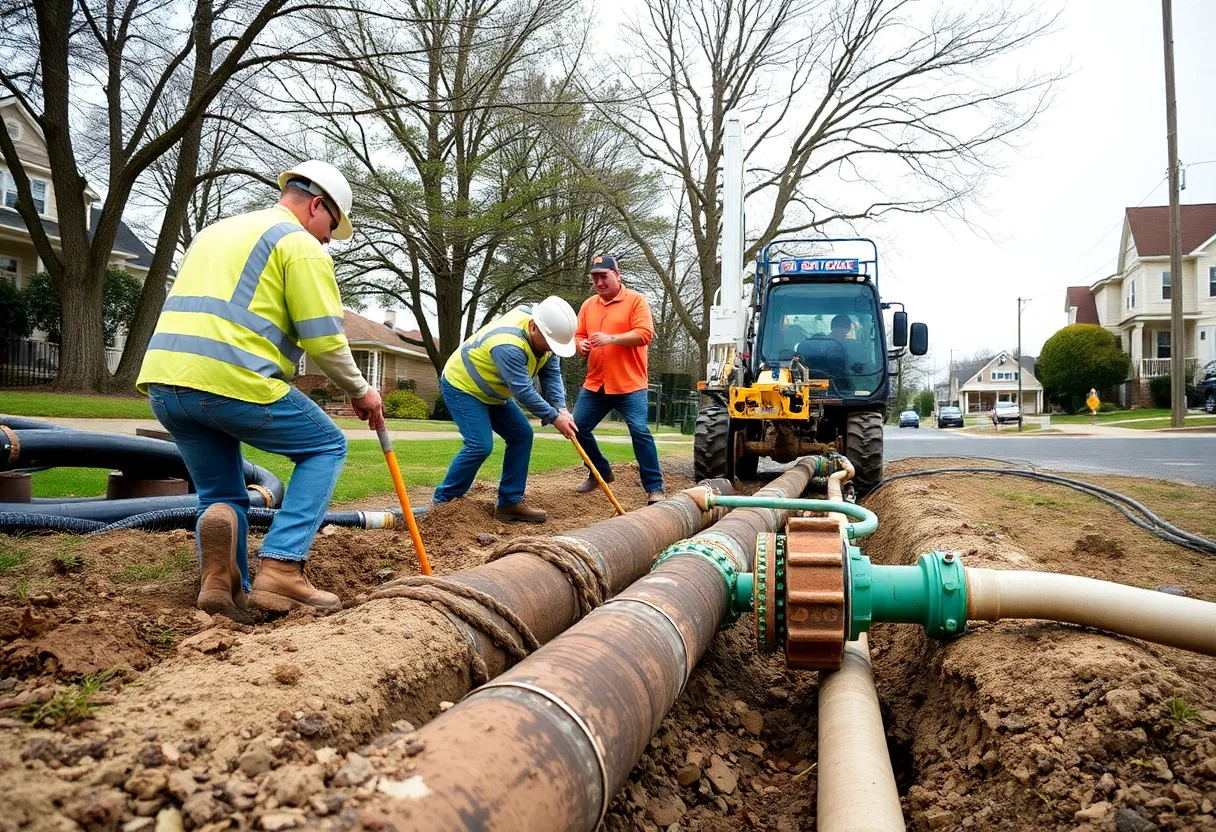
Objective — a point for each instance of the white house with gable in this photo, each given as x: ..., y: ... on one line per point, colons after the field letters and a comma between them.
x: 981, y: 384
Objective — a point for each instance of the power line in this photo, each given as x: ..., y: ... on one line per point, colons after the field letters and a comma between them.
x: 1120, y: 221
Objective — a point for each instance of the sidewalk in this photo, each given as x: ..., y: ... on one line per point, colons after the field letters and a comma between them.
x: 128, y: 426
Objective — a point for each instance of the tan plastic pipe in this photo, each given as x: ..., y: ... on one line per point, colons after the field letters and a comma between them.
x: 1188, y: 623
x: 857, y: 791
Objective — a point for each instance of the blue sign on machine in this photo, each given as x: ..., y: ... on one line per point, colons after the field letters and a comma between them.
x: 819, y: 266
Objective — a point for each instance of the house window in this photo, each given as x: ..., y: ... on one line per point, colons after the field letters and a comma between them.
x: 1163, y: 344
x: 1165, y: 285
x: 1212, y: 281
x: 10, y: 268
x: 37, y: 188
x: 369, y: 364
x: 1131, y: 294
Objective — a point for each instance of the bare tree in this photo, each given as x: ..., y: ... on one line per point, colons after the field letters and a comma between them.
x: 853, y: 109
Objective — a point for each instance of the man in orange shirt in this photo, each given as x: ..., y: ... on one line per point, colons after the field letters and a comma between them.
x: 614, y: 328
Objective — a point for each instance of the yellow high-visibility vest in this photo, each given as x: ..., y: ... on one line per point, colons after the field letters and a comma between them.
x: 472, y: 369
x: 254, y: 293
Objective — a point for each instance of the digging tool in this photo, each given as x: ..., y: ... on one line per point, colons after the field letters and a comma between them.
x: 595, y: 473
x: 386, y: 445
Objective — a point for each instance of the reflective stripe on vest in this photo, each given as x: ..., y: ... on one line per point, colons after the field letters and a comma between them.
x: 218, y: 350
x: 256, y: 264
x: 241, y: 316
x: 477, y: 363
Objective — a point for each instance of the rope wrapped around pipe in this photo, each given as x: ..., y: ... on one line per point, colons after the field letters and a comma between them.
x: 472, y: 606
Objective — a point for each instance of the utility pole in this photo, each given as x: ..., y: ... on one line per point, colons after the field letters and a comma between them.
x: 1177, y: 326
x: 1019, y: 361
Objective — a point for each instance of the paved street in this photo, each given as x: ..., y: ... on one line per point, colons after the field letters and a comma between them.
x: 1182, y: 458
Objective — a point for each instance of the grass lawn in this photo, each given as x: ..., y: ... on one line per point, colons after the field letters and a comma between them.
x: 74, y: 405
x: 423, y: 462
x: 1112, y: 416
x: 1155, y: 424
x: 605, y: 427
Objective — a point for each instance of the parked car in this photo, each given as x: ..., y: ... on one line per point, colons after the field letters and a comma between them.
x: 1005, y: 412
x: 909, y: 419
x: 950, y: 417
x: 1207, y: 390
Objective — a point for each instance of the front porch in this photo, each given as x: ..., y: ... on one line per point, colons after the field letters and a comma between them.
x: 981, y: 401
x: 1150, y: 346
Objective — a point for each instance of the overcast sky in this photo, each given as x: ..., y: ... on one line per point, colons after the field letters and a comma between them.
x: 1052, y: 220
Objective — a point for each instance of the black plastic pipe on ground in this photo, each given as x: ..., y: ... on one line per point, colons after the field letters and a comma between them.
x: 547, y: 744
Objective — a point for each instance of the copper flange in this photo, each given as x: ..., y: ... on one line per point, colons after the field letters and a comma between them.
x: 815, y: 614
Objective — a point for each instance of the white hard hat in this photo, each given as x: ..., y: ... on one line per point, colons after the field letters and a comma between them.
x: 329, y: 179
x: 557, y: 322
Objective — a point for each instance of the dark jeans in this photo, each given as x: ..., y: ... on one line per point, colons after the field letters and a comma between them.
x: 209, y: 429
x: 478, y: 422
x: 591, y: 408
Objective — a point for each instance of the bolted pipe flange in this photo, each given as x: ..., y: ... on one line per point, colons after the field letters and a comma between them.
x: 713, y: 550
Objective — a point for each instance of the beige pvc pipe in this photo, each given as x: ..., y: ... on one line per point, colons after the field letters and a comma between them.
x: 857, y: 790
x: 1188, y: 623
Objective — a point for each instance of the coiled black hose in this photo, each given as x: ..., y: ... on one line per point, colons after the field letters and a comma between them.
x: 259, y: 518
x: 1150, y: 522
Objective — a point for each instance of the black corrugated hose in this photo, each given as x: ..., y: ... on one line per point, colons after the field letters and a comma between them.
x: 1146, y: 519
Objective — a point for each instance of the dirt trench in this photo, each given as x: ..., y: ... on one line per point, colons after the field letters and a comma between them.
x: 1015, y: 726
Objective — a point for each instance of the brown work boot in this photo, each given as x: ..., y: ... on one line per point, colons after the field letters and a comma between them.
x: 220, y: 591
x: 655, y: 497
x: 281, y: 585
x: 590, y: 484
x: 520, y: 513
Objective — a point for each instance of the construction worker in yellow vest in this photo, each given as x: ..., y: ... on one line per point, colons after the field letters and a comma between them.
x: 254, y: 293
x: 498, y: 364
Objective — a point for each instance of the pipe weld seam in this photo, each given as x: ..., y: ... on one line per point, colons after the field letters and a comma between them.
x: 605, y: 795
x: 688, y: 662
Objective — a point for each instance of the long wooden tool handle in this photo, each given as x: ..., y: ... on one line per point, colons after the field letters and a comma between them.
x: 595, y: 473
x: 386, y: 445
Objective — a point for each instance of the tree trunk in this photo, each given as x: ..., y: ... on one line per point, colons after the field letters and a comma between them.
x: 82, y: 354
x: 139, y: 333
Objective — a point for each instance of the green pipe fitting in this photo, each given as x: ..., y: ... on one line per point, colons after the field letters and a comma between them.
x: 933, y: 593
x: 744, y: 585
x: 867, y: 520
x: 722, y: 561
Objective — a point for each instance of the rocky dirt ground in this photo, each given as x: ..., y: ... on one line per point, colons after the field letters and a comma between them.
x: 1015, y: 726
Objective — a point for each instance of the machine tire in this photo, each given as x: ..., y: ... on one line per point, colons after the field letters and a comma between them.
x: 863, y: 447
x: 710, y: 445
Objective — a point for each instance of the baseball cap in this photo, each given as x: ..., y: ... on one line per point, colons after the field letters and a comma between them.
x: 603, y: 263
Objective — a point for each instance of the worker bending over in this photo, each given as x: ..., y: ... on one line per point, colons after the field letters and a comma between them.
x: 253, y: 294
x: 498, y: 364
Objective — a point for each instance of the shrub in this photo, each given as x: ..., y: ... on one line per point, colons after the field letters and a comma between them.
x: 320, y: 395
x: 439, y: 410
x: 407, y: 384
x: 1108, y: 407
x: 1159, y: 387
x: 1079, y: 357
x: 120, y: 298
x: 404, y: 404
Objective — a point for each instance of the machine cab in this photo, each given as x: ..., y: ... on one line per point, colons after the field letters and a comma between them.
x: 820, y: 319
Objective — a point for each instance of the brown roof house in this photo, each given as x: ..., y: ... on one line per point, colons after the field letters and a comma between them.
x: 1134, y: 302
x: 383, y: 354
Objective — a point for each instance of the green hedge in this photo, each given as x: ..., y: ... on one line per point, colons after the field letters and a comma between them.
x: 404, y: 404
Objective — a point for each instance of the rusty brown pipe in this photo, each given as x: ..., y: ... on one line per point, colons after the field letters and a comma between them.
x: 623, y: 548
x: 547, y: 744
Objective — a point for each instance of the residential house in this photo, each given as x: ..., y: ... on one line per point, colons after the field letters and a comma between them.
x: 383, y: 354
x: 981, y: 384
x: 1080, y: 306
x: 18, y: 258
x: 1134, y: 302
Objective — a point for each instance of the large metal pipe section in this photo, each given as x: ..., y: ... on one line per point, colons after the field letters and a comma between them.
x: 857, y: 791
x: 623, y: 549
x: 548, y: 744
x: 1175, y: 621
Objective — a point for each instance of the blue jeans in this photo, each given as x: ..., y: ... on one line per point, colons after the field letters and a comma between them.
x: 591, y: 408
x: 209, y: 430
x: 478, y: 422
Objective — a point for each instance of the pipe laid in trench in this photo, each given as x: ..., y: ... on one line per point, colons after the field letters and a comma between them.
x: 857, y: 790
x: 1175, y: 621
x: 548, y: 744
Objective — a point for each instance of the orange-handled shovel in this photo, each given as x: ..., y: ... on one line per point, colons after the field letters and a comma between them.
x: 386, y: 445
x: 595, y: 473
